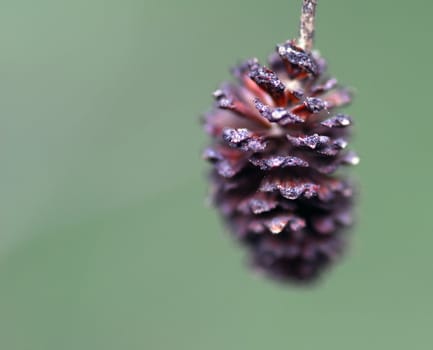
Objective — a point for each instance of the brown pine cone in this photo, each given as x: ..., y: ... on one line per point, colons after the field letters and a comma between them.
x: 277, y: 145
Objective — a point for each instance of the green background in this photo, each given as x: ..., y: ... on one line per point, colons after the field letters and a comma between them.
x: 105, y: 241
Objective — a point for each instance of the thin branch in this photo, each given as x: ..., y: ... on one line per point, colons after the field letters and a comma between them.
x: 306, y: 27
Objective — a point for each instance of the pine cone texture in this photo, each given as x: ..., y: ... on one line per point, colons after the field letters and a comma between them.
x: 277, y: 144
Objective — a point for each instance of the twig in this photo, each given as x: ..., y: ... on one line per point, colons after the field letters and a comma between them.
x: 306, y: 27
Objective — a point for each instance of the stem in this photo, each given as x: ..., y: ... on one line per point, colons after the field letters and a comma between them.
x: 306, y: 27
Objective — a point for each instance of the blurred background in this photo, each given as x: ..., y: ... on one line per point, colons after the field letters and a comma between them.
x: 105, y: 241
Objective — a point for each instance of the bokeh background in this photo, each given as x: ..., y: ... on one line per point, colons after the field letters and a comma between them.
x: 105, y: 241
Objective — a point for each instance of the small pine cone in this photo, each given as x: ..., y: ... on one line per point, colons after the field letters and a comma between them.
x: 276, y: 147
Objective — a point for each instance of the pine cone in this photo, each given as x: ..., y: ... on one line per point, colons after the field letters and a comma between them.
x: 276, y: 148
